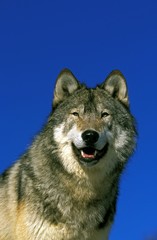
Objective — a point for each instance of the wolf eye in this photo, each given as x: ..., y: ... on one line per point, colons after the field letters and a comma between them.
x: 104, y: 114
x: 75, y: 114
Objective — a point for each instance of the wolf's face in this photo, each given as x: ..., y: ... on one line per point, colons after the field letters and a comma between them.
x: 88, y: 127
x: 92, y: 123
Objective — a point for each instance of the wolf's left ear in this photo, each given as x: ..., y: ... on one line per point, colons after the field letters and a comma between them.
x: 66, y: 84
x: 115, y: 84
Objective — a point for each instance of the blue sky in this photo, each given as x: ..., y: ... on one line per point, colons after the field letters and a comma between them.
x: 39, y: 38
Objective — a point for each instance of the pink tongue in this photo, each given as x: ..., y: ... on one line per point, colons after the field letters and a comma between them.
x: 85, y: 155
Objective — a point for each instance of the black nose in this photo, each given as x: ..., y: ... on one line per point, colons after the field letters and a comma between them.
x: 90, y: 136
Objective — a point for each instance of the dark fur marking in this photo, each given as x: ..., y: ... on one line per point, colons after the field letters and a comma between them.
x: 89, y: 104
x: 19, y: 185
x: 51, y: 214
x: 4, y: 175
x: 24, y: 169
x: 108, y: 217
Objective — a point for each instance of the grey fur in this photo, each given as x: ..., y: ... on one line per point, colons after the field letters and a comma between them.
x: 63, y: 188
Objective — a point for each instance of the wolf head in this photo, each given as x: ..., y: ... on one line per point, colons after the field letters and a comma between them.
x: 93, y: 125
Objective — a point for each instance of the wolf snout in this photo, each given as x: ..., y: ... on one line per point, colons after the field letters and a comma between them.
x: 90, y: 137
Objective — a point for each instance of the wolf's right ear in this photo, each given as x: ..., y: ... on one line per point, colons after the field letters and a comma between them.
x: 66, y: 84
x: 116, y: 86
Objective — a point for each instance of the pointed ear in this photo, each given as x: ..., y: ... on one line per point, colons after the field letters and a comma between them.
x: 115, y: 84
x: 66, y: 84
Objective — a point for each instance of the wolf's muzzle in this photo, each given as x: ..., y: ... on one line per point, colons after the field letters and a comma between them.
x: 90, y: 153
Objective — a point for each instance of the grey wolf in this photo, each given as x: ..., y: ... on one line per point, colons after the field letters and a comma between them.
x: 65, y: 186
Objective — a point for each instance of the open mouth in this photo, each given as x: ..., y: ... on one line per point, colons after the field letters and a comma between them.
x: 90, y: 156
x: 88, y: 152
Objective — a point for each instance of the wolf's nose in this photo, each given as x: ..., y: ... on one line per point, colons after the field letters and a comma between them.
x: 90, y: 136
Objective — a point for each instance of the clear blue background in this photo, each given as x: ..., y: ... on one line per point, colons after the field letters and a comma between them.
x: 39, y: 38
